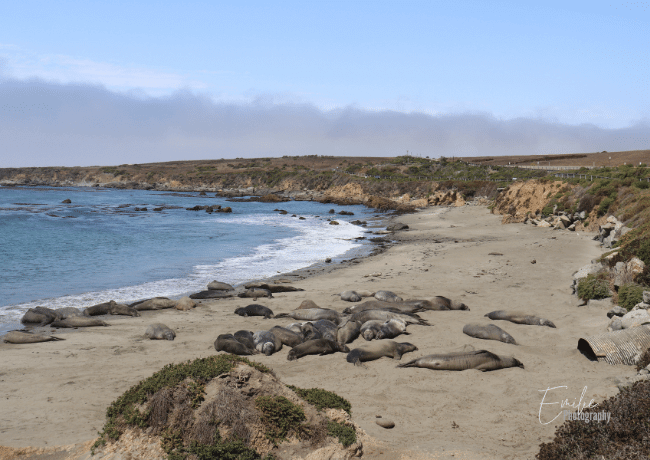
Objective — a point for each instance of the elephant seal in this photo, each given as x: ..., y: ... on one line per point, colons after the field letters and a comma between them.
x: 348, y: 332
x: 312, y: 314
x: 228, y: 343
x: 306, y: 304
x: 159, y: 331
x: 519, y: 318
x: 67, y: 312
x: 381, y: 305
x: 255, y: 293
x: 255, y: 310
x: 315, y: 347
x: 245, y: 337
x: 40, y: 316
x: 488, y: 332
x: 79, y: 321
x: 376, y: 350
x: 211, y: 294
x: 274, y: 288
x: 219, y: 286
x: 296, y: 327
x: 157, y: 303
x: 370, y: 329
x: 326, y: 328
x: 28, y: 337
x: 391, y: 329
x: 110, y: 308
x: 287, y: 337
x: 387, y: 296
x: 310, y: 332
x: 350, y: 296
x: 385, y: 315
x: 481, y: 360
x: 443, y: 303
x: 266, y: 342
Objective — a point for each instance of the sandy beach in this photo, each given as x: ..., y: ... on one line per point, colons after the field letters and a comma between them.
x: 56, y: 393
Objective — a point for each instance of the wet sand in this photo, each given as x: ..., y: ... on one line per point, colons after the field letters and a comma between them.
x: 56, y: 393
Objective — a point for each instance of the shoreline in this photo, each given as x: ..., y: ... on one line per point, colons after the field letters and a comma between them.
x: 61, y: 389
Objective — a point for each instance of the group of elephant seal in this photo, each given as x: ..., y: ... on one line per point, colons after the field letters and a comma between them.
x: 231, y: 344
x: 519, y: 318
x: 481, y: 360
x: 376, y: 350
x: 40, y: 316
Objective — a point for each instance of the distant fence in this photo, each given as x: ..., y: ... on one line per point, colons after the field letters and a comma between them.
x: 540, y: 167
x: 591, y: 177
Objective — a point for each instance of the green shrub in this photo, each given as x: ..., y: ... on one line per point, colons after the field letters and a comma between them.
x: 604, y: 205
x: 280, y: 416
x: 323, y: 399
x: 344, y: 433
x: 629, y: 295
x: 593, y: 287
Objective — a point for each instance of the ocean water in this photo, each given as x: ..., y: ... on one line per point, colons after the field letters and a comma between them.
x: 98, y: 248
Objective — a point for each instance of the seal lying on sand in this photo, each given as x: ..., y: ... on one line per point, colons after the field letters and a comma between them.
x: 310, y: 332
x: 40, y: 316
x: 267, y: 343
x: 157, y: 303
x: 255, y: 293
x: 315, y: 347
x: 443, y: 303
x: 245, y: 337
x: 385, y: 315
x: 312, y: 314
x: 391, y: 329
x: 370, y: 329
x: 403, y: 307
x: 519, y: 318
x: 350, y: 296
x: 387, y: 296
x: 307, y: 304
x: 228, y: 343
x: 110, y: 308
x: 255, y: 309
x: 376, y: 350
x: 327, y: 329
x: 347, y: 332
x: 27, y: 337
x: 481, y: 360
x: 287, y: 337
x: 79, y: 321
x: 272, y: 287
x: 159, y: 331
x: 488, y: 332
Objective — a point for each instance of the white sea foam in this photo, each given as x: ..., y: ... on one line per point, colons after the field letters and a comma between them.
x: 317, y: 240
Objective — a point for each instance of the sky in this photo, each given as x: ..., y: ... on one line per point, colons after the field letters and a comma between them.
x: 105, y: 83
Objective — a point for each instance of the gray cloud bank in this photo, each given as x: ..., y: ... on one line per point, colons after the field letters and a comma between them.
x: 52, y: 124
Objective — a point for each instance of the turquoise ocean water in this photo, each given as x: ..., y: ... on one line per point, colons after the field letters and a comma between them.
x: 98, y: 248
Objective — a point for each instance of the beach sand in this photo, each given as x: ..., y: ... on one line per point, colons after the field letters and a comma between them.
x: 56, y: 393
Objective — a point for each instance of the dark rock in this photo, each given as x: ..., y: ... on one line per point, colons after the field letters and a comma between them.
x: 66, y: 201
x: 331, y: 211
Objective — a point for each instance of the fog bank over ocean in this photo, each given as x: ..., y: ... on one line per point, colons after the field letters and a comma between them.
x: 53, y: 124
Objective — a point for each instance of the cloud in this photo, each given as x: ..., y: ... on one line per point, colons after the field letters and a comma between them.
x: 44, y: 123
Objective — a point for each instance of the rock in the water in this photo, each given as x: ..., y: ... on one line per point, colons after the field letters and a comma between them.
x: 635, y: 318
x: 185, y: 303
x: 219, y: 286
x: 616, y: 311
x: 67, y: 201
x: 333, y: 222
x: 397, y: 226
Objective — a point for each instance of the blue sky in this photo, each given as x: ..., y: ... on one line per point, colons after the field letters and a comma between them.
x: 372, y: 77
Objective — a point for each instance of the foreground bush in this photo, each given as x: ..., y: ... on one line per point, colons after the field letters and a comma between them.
x: 629, y: 295
x: 626, y: 436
